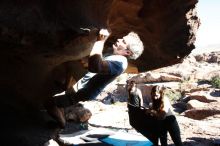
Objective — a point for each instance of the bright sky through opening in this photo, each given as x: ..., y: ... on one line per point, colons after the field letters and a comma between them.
x: 209, y: 31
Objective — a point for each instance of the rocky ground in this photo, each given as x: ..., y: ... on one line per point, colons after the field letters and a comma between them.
x: 193, y: 132
x: 194, y: 99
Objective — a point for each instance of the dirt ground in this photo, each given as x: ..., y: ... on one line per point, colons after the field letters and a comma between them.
x: 204, y: 132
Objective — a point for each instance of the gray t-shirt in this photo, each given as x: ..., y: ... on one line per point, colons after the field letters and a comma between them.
x: 92, y: 84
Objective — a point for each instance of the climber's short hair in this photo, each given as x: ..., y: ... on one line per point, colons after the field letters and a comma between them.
x: 135, y: 45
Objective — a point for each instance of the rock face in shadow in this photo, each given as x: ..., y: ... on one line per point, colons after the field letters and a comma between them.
x: 166, y: 27
x: 37, y: 37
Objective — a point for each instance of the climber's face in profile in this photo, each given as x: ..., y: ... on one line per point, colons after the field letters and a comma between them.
x: 129, y: 46
x: 121, y: 47
x: 120, y: 44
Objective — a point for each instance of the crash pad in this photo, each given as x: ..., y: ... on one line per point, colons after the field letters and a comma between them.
x: 126, y: 139
x: 85, y: 136
x: 101, y: 136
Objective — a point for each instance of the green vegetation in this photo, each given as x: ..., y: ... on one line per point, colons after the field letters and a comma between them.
x: 173, y: 95
x: 215, y: 81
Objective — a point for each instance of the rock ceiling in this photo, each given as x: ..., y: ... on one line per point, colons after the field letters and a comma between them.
x: 41, y: 40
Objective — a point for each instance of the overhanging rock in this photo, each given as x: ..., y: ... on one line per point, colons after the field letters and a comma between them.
x: 41, y: 41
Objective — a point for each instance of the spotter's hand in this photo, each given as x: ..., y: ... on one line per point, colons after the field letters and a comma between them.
x: 103, y: 35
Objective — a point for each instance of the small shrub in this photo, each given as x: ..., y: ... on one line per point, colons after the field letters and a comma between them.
x: 215, y: 81
x: 173, y: 95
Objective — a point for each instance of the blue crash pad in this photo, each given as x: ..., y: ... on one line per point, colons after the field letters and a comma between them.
x: 126, y: 139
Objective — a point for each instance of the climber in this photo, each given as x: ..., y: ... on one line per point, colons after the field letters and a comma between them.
x: 102, y: 71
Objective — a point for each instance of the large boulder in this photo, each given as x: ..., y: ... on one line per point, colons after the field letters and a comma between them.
x: 38, y: 38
